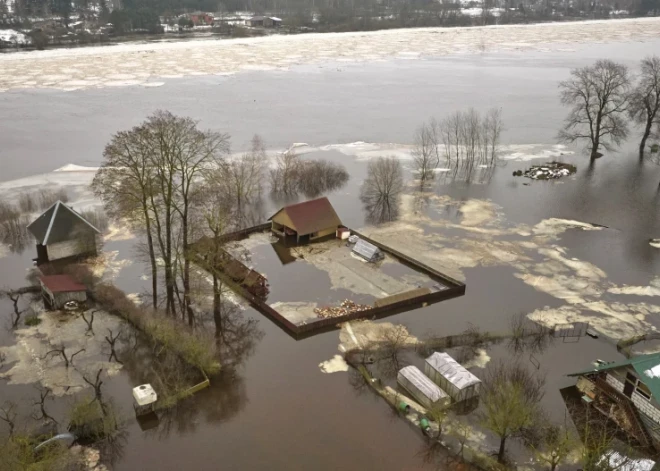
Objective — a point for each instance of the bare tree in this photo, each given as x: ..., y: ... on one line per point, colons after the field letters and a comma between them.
x: 8, y: 415
x: 598, y: 97
x: 44, y: 394
x: 425, y: 152
x: 96, y: 385
x: 61, y: 352
x: 244, y: 175
x: 511, y: 401
x: 284, y: 177
x: 148, y: 176
x: 89, y: 322
x: 645, y: 100
x: 318, y: 176
x: 112, y: 340
x: 383, y: 185
x: 14, y: 297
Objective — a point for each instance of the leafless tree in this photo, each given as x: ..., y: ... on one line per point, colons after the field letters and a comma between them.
x: 284, y: 177
x: 89, y: 322
x: 148, y: 176
x: 598, y: 97
x: 244, y: 175
x: 425, y: 152
x: 511, y: 401
x: 61, y: 352
x: 8, y: 414
x: 96, y: 384
x: 14, y: 297
x: 112, y: 340
x: 383, y: 185
x: 318, y: 176
x: 556, y: 444
x: 645, y: 100
x: 44, y: 394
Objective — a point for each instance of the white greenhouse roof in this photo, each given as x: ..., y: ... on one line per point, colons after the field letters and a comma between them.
x: 423, y: 384
x: 452, y: 370
x: 367, y: 250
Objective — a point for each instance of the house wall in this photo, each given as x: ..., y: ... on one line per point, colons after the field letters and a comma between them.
x: 283, y: 218
x: 641, y: 403
x: 324, y: 233
x: 71, y: 248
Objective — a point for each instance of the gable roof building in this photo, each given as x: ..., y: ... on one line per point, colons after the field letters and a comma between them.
x: 630, y: 389
x: 310, y: 219
x: 62, y: 232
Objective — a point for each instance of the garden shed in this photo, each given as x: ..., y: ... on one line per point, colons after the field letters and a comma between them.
x: 368, y: 251
x: 447, y: 373
x: 421, y: 388
x: 57, y: 290
x: 306, y: 221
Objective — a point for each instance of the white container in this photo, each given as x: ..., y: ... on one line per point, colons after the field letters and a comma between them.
x: 144, y: 395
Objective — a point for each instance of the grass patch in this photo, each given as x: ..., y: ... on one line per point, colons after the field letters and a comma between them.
x: 32, y: 320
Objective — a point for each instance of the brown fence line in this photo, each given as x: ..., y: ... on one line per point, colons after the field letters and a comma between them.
x: 415, y: 263
x: 455, y: 289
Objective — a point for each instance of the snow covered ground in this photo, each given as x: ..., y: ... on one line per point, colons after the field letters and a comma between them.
x: 141, y: 64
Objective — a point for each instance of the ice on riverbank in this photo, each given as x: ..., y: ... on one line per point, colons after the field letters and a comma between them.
x: 140, y: 63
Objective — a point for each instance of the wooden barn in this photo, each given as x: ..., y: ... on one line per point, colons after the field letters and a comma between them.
x: 306, y: 221
x: 62, y: 233
x: 57, y: 290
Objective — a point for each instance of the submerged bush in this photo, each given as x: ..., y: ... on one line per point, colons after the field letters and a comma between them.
x: 32, y: 320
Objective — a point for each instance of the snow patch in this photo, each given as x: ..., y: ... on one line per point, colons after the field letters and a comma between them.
x: 75, y: 168
x: 334, y: 365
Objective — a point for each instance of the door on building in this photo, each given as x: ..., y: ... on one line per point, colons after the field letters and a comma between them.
x: 629, y: 387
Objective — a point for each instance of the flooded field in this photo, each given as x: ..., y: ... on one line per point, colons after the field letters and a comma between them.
x: 576, y: 249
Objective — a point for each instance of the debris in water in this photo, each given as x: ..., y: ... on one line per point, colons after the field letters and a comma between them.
x: 548, y: 171
x: 655, y: 243
x: 346, y: 307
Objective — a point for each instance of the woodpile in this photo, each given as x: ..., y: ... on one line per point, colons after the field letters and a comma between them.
x: 346, y: 307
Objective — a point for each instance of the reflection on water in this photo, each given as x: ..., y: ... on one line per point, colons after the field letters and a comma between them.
x: 381, y: 210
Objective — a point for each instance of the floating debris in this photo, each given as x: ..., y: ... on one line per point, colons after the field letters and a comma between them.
x: 655, y: 243
x: 548, y: 171
x: 346, y: 307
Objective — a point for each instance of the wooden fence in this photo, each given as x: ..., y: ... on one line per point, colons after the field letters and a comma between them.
x: 453, y: 289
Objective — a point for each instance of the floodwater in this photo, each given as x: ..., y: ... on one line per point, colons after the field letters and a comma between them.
x: 276, y: 410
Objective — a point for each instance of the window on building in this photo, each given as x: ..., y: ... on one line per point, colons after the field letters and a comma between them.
x: 643, y: 391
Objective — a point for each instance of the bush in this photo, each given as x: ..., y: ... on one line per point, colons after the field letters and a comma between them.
x: 32, y: 320
x: 88, y: 420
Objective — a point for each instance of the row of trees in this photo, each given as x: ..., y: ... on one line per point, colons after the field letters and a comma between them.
x: 465, y: 140
x: 175, y: 183
x: 603, y: 96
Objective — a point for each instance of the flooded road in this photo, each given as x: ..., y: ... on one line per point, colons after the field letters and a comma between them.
x: 276, y: 409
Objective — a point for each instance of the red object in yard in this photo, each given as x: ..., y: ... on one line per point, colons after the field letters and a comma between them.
x: 61, y: 284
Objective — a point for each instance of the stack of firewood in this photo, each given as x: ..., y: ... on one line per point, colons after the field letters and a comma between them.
x: 346, y: 307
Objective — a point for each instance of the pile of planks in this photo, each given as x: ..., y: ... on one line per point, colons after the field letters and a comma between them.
x: 346, y: 307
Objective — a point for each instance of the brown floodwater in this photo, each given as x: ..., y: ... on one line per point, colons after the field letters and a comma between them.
x: 275, y: 409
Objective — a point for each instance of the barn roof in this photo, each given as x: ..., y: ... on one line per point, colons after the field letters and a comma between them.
x: 455, y: 373
x: 311, y: 216
x: 61, y: 283
x: 59, y: 223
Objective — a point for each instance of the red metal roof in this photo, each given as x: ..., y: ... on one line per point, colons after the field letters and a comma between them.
x: 61, y: 283
x: 311, y: 216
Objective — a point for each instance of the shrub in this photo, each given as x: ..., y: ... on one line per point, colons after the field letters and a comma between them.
x: 32, y: 320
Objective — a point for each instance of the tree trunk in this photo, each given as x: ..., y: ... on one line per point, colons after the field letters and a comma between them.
x: 500, y: 454
x: 152, y: 260
x: 645, y: 136
x: 186, y: 271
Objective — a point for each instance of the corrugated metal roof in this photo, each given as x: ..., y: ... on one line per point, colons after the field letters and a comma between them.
x: 422, y: 383
x: 311, y: 216
x: 61, y: 283
x: 59, y: 223
x: 455, y: 373
x: 646, y: 366
x: 366, y: 250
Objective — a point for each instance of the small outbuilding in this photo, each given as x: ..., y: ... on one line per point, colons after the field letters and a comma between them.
x: 57, y: 290
x: 421, y: 388
x: 368, y: 251
x: 306, y: 221
x: 452, y: 377
x: 264, y: 21
x: 61, y: 232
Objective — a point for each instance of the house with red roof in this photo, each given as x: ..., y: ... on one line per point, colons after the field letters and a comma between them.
x: 306, y: 221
